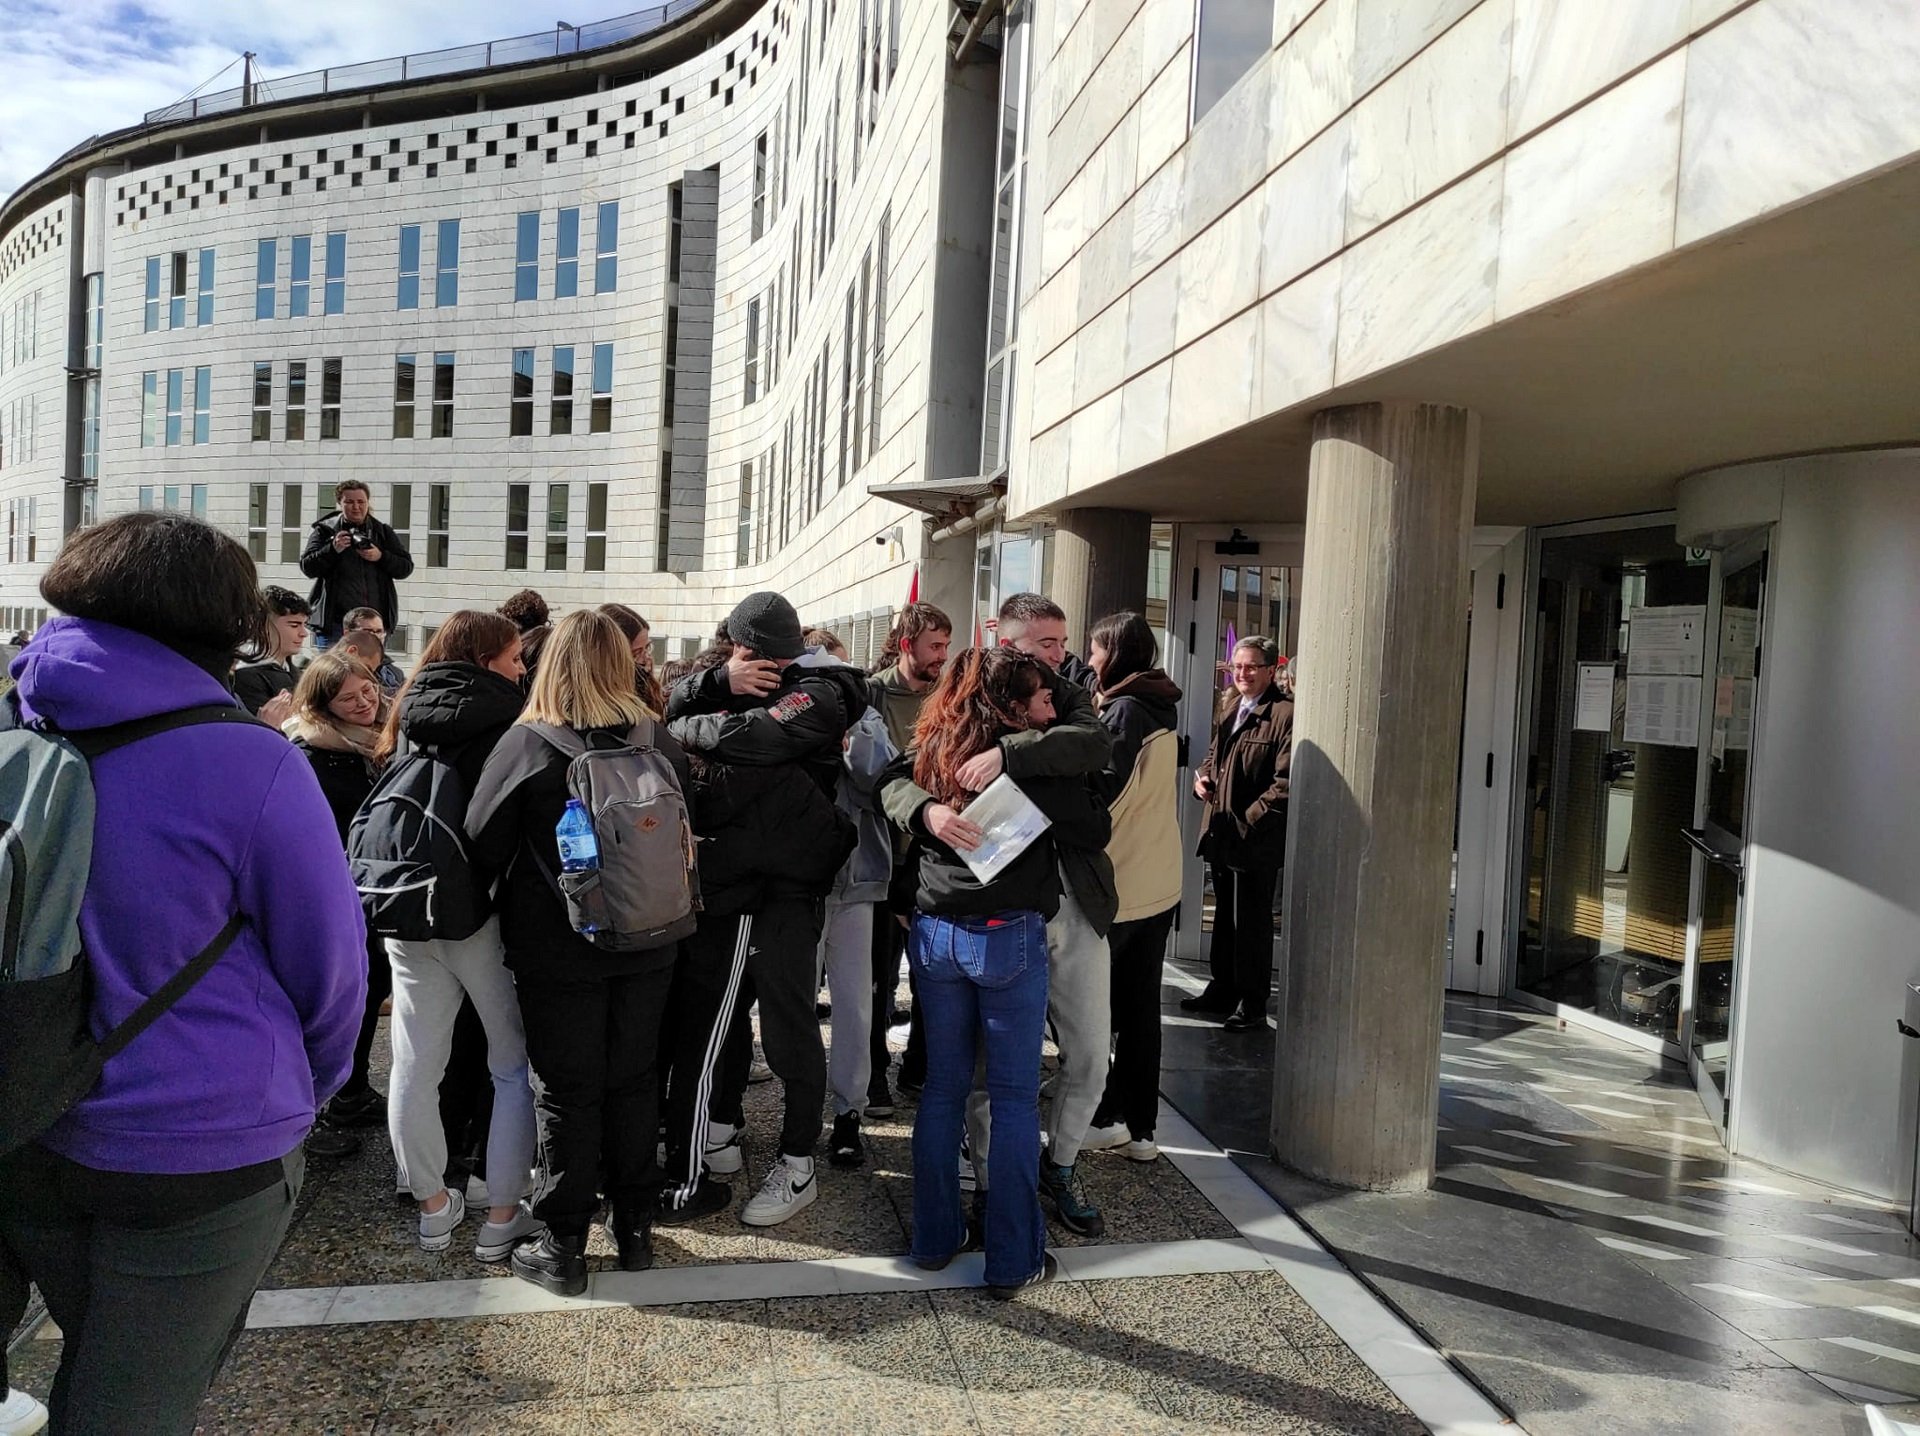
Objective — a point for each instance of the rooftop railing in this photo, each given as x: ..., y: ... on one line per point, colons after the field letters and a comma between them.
x: 432, y: 64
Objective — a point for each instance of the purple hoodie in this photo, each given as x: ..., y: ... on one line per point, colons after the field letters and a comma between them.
x: 193, y: 825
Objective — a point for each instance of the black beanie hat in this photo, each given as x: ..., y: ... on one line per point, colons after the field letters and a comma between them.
x: 766, y: 623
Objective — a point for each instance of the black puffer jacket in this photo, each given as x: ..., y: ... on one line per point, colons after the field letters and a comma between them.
x: 456, y: 712
x: 766, y: 771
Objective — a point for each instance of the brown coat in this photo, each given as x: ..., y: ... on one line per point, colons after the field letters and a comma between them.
x: 1247, y: 819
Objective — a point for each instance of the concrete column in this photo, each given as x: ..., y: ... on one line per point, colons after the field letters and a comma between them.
x: 1370, y: 826
x: 946, y: 581
x: 1099, y: 565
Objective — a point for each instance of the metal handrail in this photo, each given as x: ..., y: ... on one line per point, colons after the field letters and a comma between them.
x: 432, y: 64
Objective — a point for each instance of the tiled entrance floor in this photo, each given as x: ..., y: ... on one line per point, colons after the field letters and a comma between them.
x: 1592, y: 1257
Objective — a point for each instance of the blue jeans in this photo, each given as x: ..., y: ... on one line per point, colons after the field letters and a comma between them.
x: 981, y: 977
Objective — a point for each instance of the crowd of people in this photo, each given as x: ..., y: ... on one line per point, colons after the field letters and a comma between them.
x: 503, y: 814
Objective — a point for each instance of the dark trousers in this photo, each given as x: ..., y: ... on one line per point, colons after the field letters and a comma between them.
x: 147, y: 1305
x: 379, y: 989
x: 593, y: 1045
x: 1138, y: 951
x: 466, y: 1097
x: 13, y: 1305
x: 729, y: 961
x: 1242, y: 951
x: 889, y: 946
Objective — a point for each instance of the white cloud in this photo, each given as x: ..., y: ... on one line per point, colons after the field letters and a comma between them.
x: 85, y: 67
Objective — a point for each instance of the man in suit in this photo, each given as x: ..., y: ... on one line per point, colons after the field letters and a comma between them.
x: 1243, y: 783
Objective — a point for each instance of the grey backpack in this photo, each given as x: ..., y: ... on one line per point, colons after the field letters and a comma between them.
x: 49, y: 1058
x: 646, y: 891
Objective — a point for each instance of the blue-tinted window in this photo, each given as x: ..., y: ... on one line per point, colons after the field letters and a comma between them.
x: 1231, y: 37
x: 300, y: 276
x: 526, y: 257
x: 204, y: 310
x: 336, y: 295
x: 264, y: 270
x: 409, y: 291
x: 566, y: 249
x: 446, y: 287
x: 152, y: 321
x: 606, y: 241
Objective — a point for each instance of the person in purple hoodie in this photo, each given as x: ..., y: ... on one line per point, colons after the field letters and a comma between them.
x: 148, y: 1213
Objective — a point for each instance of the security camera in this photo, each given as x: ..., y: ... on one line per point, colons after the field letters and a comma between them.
x: 880, y: 539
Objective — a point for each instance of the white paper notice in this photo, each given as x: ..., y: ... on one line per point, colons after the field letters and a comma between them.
x: 1667, y: 640
x: 1739, y: 641
x: 1593, y: 703
x: 1010, y: 822
x: 1663, y: 709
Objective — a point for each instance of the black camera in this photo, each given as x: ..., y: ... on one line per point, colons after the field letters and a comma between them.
x: 360, y: 538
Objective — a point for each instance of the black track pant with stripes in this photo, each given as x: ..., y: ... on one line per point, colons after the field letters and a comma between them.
x: 727, y: 961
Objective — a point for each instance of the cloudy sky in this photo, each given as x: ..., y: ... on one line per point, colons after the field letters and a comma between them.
x: 83, y: 67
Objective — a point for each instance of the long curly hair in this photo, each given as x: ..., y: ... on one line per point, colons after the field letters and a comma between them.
x: 980, y: 695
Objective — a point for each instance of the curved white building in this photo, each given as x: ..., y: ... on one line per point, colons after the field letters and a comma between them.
x: 641, y: 319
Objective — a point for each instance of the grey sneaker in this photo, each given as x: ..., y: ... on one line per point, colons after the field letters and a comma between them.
x: 436, y: 1228
x: 498, y: 1239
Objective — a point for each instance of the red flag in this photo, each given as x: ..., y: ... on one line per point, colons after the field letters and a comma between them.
x: 913, y: 589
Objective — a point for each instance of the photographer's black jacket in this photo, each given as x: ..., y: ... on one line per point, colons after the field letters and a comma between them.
x: 343, y: 582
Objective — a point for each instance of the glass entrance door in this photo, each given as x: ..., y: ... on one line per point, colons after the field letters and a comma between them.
x: 1241, y: 587
x: 1720, y: 839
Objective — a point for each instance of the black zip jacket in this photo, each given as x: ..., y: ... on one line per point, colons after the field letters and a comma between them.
x: 255, y: 683
x: 946, y: 886
x: 456, y: 712
x: 339, y: 589
x: 511, y: 817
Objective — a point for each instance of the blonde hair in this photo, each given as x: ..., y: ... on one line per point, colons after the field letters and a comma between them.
x: 585, y: 679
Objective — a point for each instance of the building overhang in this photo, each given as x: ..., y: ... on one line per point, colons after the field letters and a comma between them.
x: 943, y: 501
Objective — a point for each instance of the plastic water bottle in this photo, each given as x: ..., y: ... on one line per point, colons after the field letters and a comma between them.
x: 579, y: 849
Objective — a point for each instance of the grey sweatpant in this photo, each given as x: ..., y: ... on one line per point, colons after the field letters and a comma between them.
x: 1080, y: 1011
x: 846, y: 946
x: 429, y: 980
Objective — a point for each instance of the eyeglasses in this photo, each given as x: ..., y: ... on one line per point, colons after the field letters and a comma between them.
x: 1251, y: 667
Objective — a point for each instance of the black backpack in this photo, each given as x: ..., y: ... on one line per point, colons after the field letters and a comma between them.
x: 48, y: 1057
x: 407, y: 847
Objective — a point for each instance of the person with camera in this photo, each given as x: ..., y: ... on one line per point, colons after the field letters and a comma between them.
x: 355, y: 561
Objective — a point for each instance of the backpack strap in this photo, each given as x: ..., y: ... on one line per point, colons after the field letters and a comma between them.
x: 565, y: 740
x: 92, y: 742
x: 171, y: 991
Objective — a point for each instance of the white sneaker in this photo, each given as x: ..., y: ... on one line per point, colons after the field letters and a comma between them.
x: 1105, y: 1139
x: 759, y: 1072
x: 21, y: 1415
x: 436, y: 1228
x: 477, y: 1192
x: 498, y: 1239
x: 789, y: 1188
x: 723, y: 1154
x: 1143, y: 1150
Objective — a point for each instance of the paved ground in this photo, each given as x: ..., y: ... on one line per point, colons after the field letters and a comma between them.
x: 1172, y: 1322
x: 1589, y: 1254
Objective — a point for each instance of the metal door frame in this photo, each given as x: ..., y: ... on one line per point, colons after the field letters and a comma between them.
x: 1516, y: 852
x: 1749, y: 549
x: 1494, y: 696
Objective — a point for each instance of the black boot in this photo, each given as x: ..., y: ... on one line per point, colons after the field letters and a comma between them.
x: 552, y: 1261
x: 635, y: 1243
